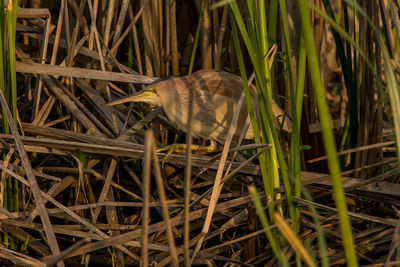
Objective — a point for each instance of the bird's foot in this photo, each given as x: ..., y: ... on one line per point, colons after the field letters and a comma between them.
x: 181, y: 148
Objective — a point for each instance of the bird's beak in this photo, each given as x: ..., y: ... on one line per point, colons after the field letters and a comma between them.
x: 138, y: 97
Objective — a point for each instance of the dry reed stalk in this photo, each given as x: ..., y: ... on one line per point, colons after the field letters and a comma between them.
x: 174, y: 38
x: 386, y: 20
x: 75, y: 33
x: 93, y: 19
x: 116, y: 45
x: 206, y: 43
x: 121, y: 20
x: 293, y: 239
x: 221, y: 34
x: 161, y: 36
x: 96, y: 33
x: 67, y: 24
x: 187, y: 183
x: 167, y: 56
x: 109, y: 16
x: 56, y: 70
x: 177, y: 220
x: 163, y: 201
x: 147, y: 40
x: 366, y: 131
x: 58, y: 34
x: 65, y: 253
x: 66, y: 210
x: 19, y: 258
x: 44, y: 112
x: 146, y: 198
x: 98, y: 103
x: 43, y: 55
x: 32, y: 181
x: 135, y: 40
x: 217, y: 188
x: 83, y: 23
x: 356, y: 149
x: 309, y: 104
x: 155, y: 37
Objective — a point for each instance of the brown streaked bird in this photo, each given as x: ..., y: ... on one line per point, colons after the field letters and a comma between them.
x: 215, y: 97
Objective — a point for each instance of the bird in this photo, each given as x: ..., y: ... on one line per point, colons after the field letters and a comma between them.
x: 215, y: 97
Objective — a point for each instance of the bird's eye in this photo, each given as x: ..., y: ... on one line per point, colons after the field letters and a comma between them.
x: 154, y: 91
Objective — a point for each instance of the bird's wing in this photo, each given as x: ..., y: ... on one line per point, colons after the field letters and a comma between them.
x: 204, y: 107
x: 220, y: 83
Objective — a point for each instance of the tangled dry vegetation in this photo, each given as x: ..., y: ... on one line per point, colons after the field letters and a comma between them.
x: 95, y: 177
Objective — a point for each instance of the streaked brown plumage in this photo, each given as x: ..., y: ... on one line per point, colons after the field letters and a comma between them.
x: 215, y: 95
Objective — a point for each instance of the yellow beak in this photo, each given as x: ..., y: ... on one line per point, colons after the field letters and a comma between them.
x: 142, y: 96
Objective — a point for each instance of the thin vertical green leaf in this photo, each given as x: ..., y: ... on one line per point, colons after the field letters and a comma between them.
x: 301, y: 74
x: 323, y: 249
x: 294, y: 163
x: 253, y: 120
x: 328, y: 138
x: 264, y: 221
x: 272, y: 20
x: 3, y: 73
x: 266, y: 98
x: 266, y: 113
x: 197, y: 37
x: 12, y: 21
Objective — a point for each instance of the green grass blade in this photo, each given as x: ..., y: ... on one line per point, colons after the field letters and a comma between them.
x: 328, y: 138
